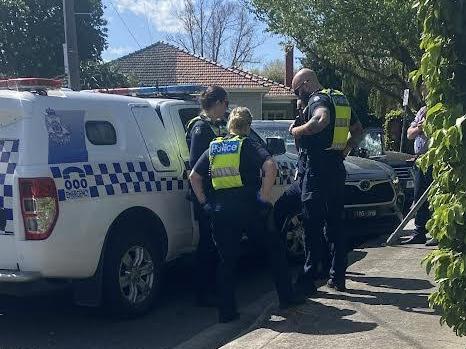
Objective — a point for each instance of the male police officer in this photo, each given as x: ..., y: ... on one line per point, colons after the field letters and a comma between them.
x: 240, y: 200
x: 324, y: 142
x: 200, y: 132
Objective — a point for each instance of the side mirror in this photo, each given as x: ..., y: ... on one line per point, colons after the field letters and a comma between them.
x: 276, y: 146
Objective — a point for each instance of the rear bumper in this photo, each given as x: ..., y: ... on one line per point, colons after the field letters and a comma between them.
x: 16, y: 276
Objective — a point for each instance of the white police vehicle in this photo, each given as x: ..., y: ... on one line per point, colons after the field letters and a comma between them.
x: 93, y: 190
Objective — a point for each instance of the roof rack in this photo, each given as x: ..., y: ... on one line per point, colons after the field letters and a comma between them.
x: 170, y: 91
x: 38, y: 85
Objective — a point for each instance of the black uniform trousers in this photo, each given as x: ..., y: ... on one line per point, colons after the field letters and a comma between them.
x: 289, y: 205
x: 236, y: 212
x: 421, y: 183
x: 323, y: 209
x: 206, y: 255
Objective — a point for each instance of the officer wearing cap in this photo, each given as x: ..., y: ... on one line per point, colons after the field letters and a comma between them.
x: 324, y: 144
x: 239, y: 199
x: 210, y: 124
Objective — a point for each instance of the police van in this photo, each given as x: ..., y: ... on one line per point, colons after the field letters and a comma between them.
x: 93, y: 190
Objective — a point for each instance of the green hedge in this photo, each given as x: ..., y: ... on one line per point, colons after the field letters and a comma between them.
x: 393, y: 118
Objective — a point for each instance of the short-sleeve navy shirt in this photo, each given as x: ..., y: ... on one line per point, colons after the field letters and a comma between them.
x: 252, y: 157
x: 323, y: 139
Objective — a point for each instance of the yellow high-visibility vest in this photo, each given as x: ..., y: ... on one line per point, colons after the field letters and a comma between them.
x: 342, y: 118
x: 224, y: 157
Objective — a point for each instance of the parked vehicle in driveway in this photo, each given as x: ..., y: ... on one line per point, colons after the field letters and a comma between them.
x: 373, y: 196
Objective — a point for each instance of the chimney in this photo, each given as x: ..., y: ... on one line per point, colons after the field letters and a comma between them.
x: 289, y: 65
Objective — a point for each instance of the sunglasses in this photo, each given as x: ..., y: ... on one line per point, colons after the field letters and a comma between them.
x: 296, y: 90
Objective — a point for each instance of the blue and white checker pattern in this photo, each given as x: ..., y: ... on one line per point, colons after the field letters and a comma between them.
x: 109, y: 179
x: 9, y: 155
x: 286, y: 172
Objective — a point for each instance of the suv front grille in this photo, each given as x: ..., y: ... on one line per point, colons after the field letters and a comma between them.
x: 403, y: 172
x: 379, y: 193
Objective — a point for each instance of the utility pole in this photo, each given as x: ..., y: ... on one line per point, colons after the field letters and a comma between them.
x: 71, y: 45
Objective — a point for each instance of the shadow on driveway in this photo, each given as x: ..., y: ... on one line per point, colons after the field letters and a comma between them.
x: 317, y: 319
x: 416, y: 302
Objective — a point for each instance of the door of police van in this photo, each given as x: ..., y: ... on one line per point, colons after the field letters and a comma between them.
x: 169, y: 173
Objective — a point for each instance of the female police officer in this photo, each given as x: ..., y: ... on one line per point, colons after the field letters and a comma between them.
x: 237, y: 201
x: 201, y: 130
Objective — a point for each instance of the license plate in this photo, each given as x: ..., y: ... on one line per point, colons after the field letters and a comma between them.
x: 410, y: 184
x: 365, y: 213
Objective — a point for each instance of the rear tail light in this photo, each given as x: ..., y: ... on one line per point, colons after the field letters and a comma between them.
x: 39, y: 206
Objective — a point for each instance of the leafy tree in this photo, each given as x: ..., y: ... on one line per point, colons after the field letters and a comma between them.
x: 443, y: 70
x: 356, y: 91
x: 373, y: 41
x: 32, y: 36
x: 96, y: 74
x: 273, y: 70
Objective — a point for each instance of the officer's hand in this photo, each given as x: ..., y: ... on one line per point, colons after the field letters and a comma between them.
x: 208, y: 208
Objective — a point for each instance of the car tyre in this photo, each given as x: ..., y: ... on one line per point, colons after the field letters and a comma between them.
x: 132, y: 274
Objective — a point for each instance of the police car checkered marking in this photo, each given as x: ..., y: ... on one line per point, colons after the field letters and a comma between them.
x: 8, y: 160
x: 109, y: 179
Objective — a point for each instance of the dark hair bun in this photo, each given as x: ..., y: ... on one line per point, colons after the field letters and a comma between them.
x: 211, y: 96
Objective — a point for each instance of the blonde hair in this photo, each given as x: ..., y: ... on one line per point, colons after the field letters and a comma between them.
x: 239, y: 121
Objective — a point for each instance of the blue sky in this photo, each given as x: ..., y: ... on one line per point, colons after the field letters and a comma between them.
x: 151, y: 20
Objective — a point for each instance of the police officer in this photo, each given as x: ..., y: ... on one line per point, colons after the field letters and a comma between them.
x: 238, y: 201
x: 324, y: 142
x: 289, y: 203
x: 201, y: 130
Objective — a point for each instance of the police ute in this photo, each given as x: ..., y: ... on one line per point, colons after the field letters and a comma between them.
x: 94, y: 189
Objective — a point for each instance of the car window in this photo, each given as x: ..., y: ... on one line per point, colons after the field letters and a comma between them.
x: 372, y: 142
x: 277, y: 130
x: 186, y: 114
x: 101, y: 133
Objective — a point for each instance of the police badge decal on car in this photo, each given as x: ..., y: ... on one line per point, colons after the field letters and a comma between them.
x: 58, y: 133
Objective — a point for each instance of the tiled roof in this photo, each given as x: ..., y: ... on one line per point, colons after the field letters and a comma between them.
x: 165, y: 64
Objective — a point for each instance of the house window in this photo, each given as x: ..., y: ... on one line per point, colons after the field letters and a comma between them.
x: 275, y: 115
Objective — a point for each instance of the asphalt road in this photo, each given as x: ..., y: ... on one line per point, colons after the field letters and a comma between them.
x: 52, y: 321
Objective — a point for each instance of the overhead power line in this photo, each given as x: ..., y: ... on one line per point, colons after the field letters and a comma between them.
x: 124, y: 23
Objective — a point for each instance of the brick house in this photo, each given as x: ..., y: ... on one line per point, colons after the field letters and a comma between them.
x: 165, y: 64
